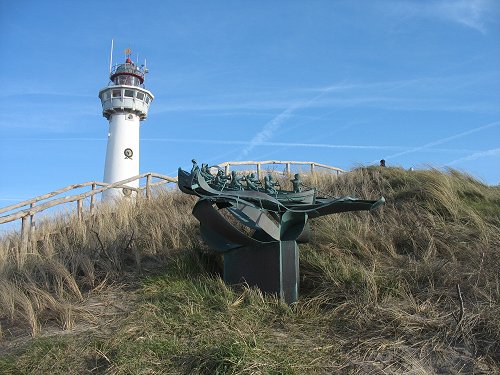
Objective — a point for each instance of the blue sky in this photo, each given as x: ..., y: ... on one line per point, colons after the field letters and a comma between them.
x: 345, y: 83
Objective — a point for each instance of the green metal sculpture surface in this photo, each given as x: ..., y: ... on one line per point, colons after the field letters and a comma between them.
x: 264, y: 252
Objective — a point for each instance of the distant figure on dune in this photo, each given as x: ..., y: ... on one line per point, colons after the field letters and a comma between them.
x: 382, y: 163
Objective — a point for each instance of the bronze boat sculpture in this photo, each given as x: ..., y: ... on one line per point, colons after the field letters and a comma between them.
x: 266, y: 254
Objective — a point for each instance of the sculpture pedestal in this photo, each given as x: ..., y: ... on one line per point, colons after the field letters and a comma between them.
x: 273, y: 268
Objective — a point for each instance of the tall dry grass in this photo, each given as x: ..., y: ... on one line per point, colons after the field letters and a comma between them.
x: 423, y: 269
x: 412, y: 287
x: 67, y: 257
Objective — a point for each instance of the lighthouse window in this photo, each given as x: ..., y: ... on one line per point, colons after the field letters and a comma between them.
x: 108, y: 95
x: 117, y: 93
x: 129, y: 93
x: 140, y: 96
x: 135, y: 81
x: 147, y: 99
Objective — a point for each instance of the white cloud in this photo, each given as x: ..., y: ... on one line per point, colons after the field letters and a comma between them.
x: 437, y: 93
x: 469, y: 13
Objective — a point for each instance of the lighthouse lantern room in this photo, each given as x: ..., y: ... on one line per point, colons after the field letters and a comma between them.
x: 125, y: 103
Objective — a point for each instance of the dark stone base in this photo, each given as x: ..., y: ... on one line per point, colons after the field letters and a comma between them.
x: 273, y: 268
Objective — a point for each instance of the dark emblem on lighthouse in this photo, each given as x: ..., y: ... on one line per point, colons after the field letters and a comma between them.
x: 128, y: 153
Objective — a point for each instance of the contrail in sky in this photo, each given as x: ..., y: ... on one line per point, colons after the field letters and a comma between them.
x: 248, y: 143
x: 443, y: 140
x: 477, y: 155
x: 267, y: 131
x: 272, y: 126
x: 56, y: 139
x: 295, y: 144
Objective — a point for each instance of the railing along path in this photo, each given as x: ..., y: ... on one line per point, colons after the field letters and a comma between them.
x: 258, y: 165
x: 26, y: 210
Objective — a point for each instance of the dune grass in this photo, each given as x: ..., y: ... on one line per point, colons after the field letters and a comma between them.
x: 410, y: 288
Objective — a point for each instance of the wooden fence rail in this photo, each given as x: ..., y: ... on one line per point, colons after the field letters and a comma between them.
x: 26, y: 210
x: 34, y: 209
x: 288, y: 164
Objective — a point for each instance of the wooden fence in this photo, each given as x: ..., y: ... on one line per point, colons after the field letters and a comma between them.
x: 26, y: 210
x: 313, y: 167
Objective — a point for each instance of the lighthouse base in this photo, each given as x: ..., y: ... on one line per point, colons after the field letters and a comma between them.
x: 122, y: 154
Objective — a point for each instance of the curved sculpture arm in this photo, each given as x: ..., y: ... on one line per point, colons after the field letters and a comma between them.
x: 212, y: 220
x: 259, y: 217
x: 292, y: 225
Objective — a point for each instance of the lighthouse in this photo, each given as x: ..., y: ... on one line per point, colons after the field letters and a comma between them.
x: 125, y: 103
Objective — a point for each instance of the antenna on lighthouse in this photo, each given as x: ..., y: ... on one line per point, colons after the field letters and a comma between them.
x: 111, y: 57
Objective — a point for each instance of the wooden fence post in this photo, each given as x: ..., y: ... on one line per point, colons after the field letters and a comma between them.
x: 258, y: 171
x: 312, y: 168
x: 92, y: 199
x: 287, y: 169
x: 79, y: 209
x: 148, y: 186
x: 226, y: 169
x: 32, y: 219
x: 25, y: 233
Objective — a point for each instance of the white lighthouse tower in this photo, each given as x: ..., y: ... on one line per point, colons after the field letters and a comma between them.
x: 125, y: 102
